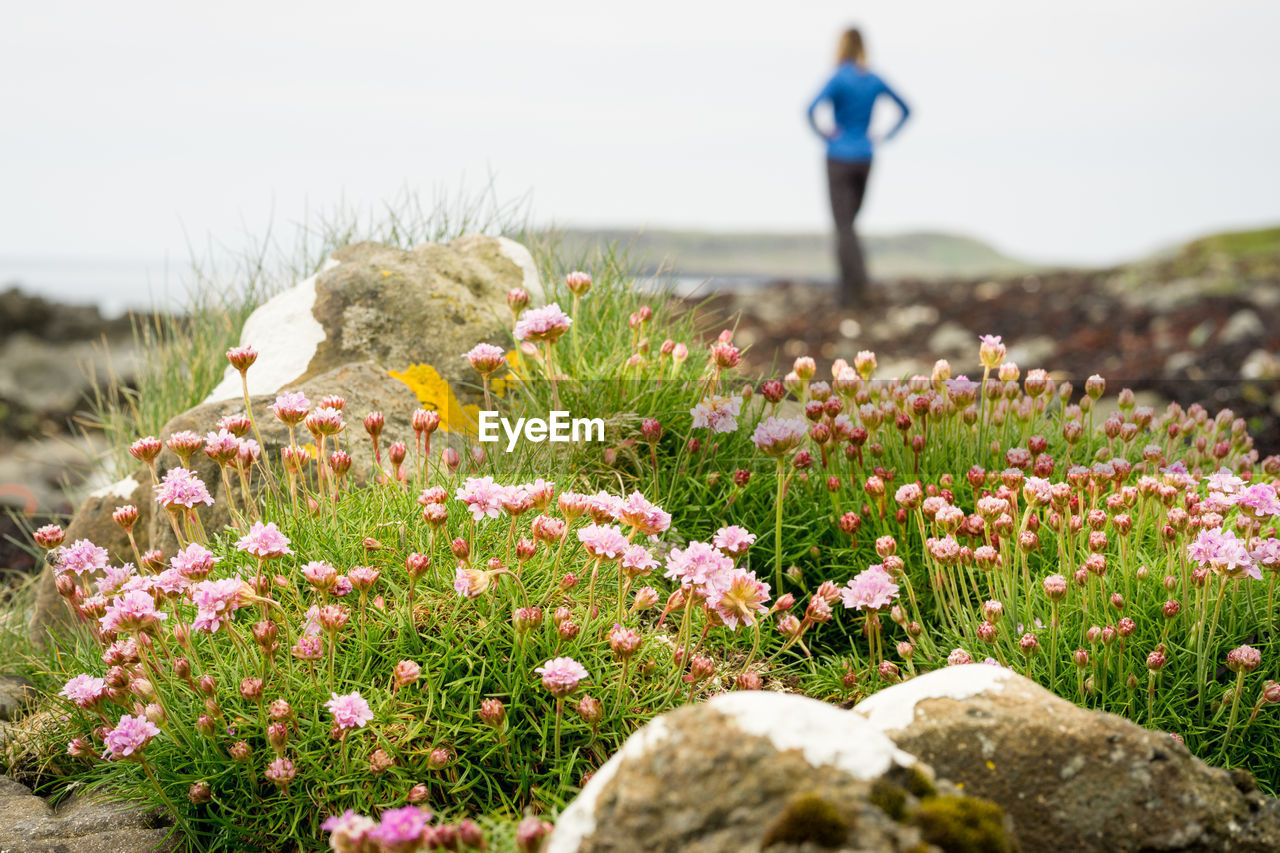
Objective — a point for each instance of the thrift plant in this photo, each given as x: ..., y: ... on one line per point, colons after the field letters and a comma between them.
x: 440, y: 656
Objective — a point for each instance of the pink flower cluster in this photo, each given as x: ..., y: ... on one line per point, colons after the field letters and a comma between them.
x: 81, y: 557
x: 264, y: 541
x: 350, y: 711
x: 129, y: 737
x: 718, y: 414
x: 1222, y: 553
x: 181, y: 487
x: 216, y: 601
x: 131, y: 612
x: 776, y: 436
x: 871, y: 589
x: 561, y: 676
x: 603, y: 541
x: 542, y: 324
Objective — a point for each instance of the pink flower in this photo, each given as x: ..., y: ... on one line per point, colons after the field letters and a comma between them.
x: 242, y: 358
x: 1259, y: 500
x: 325, y: 420
x: 718, y: 414
x: 604, y: 541
x: 114, y: 578
x: 696, y: 565
x: 309, y: 647
x: 542, y: 324
x: 406, y: 672
x: 602, y: 506
x: 195, y: 561
x: 402, y: 829
x: 1220, y: 551
x: 990, y: 351
x: 1266, y: 553
x: 131, y: 612
x: 870, y: 589
x: 170, y: 582
x: 216, y: 601
x: 221, y: 446
x: 281, y: 772
x: 959, y: 657
x: 320, y: 574
x: 561, y: 676
x: 778, y: 436
x: 291, y: 407
x: 84, y: 690
x: 1244, y: 659
x: 349, y: 831
x: 350, y: 711
x: 470, y: 583
x: 737, y: 596
x: 181, y: 487
x: 129, y: 737
x: 1224, y: 482
x: 646, y: 517
x: 578, y: 282
x: 49, y: 536
x: 540, y: 492
x: 486, y: 358
x: 482, y: 496
x: 733, y: 540
x: 637, y: 561
x: 264, y: 541
x: 81, y: 557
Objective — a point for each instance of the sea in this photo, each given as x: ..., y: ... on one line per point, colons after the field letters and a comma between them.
x: 117, y: 285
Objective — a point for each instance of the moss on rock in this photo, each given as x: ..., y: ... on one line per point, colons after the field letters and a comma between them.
x: 809, y: 819
x: 963, y: 825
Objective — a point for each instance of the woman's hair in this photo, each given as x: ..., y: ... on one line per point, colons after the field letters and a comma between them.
x: 851, y: 48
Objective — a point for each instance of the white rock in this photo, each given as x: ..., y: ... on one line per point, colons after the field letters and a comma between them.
x: 521, y: 257
x: 120, y: 489
x: 285, y: 333
x: 824, y: 734
x: 894, y: 708
x: 579, y: 820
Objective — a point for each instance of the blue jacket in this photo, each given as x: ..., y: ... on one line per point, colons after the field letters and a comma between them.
x: 852, y: 92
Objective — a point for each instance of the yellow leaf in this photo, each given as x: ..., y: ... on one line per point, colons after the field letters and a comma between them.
x: 435, y: 395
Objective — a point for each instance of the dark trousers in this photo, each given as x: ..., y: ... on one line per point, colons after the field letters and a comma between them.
x: 847, y: 182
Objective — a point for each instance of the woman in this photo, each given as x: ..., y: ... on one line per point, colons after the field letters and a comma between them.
x: 852, y: 91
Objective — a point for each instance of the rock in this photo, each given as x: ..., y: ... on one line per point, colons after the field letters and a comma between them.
x: 952, y: 339
x: 93, y: 522
x: 366, y: 388
x: 1070, y: 778
x: 1260, y: 365
x: 16, y: 695
x: 905, y: 319
x: 749, y: 770
x: 1244, y: 325
x: 1179, y: 362
x: 78, y: 825
x: 1033, y: 352
x: 388, y: 306
x: 47, y: 380
x: 37, y: 476
x: 18, y: 804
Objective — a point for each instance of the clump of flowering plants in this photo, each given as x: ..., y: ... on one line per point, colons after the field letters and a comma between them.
x: 1116, y: 554
x: 471, y: 633
x: 453, y: 639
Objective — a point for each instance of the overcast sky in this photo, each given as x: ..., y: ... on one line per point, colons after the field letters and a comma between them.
x: 1084, y: 131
